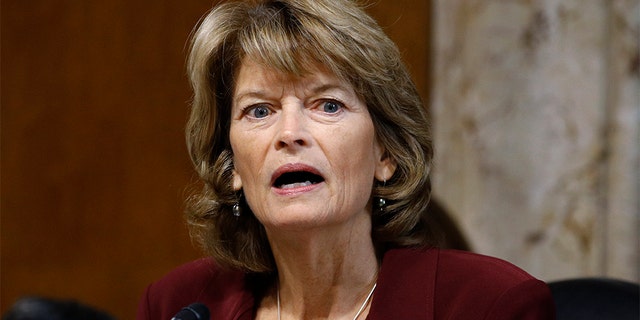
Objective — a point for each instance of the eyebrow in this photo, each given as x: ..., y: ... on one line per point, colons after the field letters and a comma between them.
x: 249, y: 94
x: 258, y: 93
x: 330, y: 86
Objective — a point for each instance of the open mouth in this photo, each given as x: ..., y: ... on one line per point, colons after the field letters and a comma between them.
x: 297, y: 179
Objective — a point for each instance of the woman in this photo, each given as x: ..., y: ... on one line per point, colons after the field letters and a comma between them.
x: 315, y: 152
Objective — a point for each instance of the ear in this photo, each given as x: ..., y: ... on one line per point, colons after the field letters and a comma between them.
x: 237, y: 181
x: 385, y: 167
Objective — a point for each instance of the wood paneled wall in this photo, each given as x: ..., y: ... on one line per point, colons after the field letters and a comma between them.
x: 94, y: 165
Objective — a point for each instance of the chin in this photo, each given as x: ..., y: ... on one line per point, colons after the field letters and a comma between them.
x: 305, y: 221
x: 298, y: 222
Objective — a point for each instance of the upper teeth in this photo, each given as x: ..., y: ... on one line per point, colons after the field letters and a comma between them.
x: 296, y: 185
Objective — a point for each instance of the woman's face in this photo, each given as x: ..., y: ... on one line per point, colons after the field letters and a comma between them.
x: 305, y: 152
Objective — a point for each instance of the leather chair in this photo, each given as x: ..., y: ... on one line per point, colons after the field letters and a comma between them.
x: 40, y: 308
x: 596, y: 298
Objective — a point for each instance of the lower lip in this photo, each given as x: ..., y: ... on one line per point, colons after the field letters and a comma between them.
x: 296, y: 190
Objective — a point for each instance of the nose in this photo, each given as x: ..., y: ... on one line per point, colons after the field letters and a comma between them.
x: 292, y: 129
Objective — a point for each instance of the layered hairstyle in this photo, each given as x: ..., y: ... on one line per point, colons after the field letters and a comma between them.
x: 292, y: 37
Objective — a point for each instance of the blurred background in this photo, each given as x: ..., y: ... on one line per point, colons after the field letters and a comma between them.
x: 535, y: 113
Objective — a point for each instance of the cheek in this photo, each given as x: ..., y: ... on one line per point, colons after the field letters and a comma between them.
x: 248, y: 156
x: 358, y: 153
x: 242, y: 160
x: 240, y: 146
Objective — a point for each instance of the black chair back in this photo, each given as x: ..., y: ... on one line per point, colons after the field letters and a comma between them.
x: 596, y: 298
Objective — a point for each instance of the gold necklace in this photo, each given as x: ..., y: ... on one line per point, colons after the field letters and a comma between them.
x: 364, y: 304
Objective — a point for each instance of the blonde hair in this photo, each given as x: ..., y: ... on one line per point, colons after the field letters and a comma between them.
x: 292, y: 36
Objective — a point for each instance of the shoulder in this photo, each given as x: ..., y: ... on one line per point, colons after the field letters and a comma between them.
x: 189, y: 275
x: 197, y: 281
x: 472, y: 265
x: 456, y: 265
x: 490, y: 286
x: 463, y: 285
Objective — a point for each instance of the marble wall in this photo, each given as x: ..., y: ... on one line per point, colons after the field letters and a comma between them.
x: 536, y: 128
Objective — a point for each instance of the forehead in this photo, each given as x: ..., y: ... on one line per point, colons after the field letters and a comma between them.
x: 256, y: 76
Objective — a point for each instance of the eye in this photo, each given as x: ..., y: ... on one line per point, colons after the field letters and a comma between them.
x: 331, y: 106
x: 257, y: 111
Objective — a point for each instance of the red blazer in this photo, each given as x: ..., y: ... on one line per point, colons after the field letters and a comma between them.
x: 412, y: 284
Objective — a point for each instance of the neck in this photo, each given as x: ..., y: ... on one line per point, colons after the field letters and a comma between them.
x: 325, y: 273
